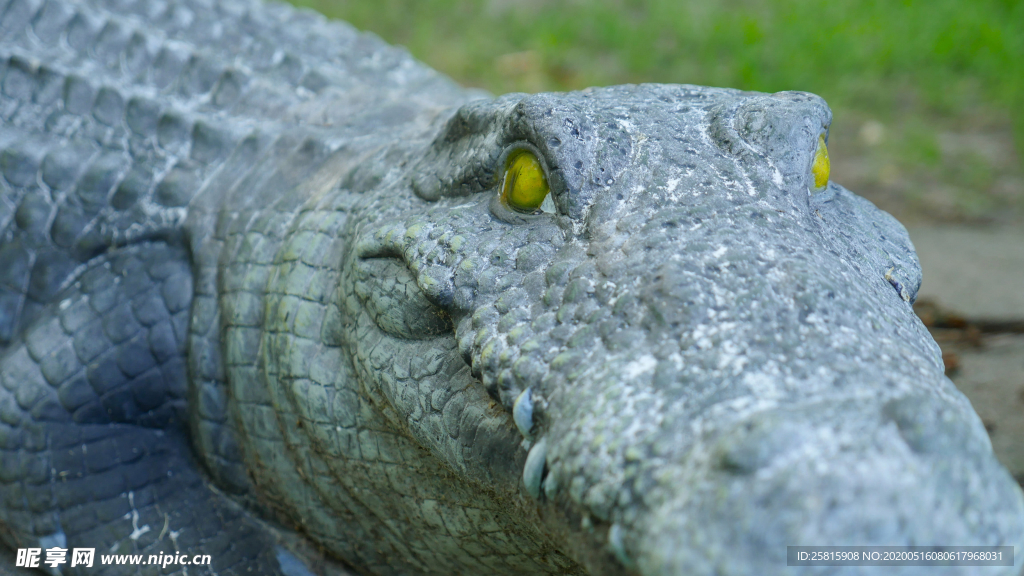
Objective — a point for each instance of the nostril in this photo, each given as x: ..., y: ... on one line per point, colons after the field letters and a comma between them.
x: 929, y: 426
x: 743, y: 459
x: 757, y: 443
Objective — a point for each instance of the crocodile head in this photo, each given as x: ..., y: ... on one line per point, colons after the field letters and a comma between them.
x: 698, y: 352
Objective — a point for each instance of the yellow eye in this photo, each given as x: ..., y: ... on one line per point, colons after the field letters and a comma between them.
x: 821, y: 165
x: 524, y: 187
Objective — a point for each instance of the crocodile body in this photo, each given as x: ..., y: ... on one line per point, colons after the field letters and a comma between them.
x: 259, y: 299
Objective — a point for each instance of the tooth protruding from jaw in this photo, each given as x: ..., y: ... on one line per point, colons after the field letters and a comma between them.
x: 533, y: 471
x: 617, y: 545
x: 522, y: 413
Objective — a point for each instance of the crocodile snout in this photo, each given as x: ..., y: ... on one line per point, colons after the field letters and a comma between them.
x: 761, y: 394
x: 844, y: 474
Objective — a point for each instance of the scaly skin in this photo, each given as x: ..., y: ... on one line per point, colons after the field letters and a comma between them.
x: 256, y: 283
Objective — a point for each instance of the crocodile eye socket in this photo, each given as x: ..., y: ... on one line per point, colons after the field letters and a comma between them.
x: 821, y: 166
x: 524, y: 186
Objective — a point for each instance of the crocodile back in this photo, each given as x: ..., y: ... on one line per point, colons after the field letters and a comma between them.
x: 120, y: 118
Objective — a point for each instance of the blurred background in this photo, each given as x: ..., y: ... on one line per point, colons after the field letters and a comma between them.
x: 928, y: 103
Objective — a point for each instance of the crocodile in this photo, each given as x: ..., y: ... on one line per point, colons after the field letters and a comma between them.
x: 274, y: 292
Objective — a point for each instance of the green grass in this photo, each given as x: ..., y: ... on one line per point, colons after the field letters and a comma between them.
x: 920, y: 68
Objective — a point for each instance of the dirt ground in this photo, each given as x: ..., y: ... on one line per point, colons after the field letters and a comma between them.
x: 965, y: 171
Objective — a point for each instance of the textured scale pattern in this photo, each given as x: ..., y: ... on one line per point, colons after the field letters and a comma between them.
x: 93, y: 418
x: 260, y: 299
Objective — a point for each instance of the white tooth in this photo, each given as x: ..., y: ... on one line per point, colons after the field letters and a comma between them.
x: 522, y: 413
x: 533, y: 471
x: 618, y: 547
